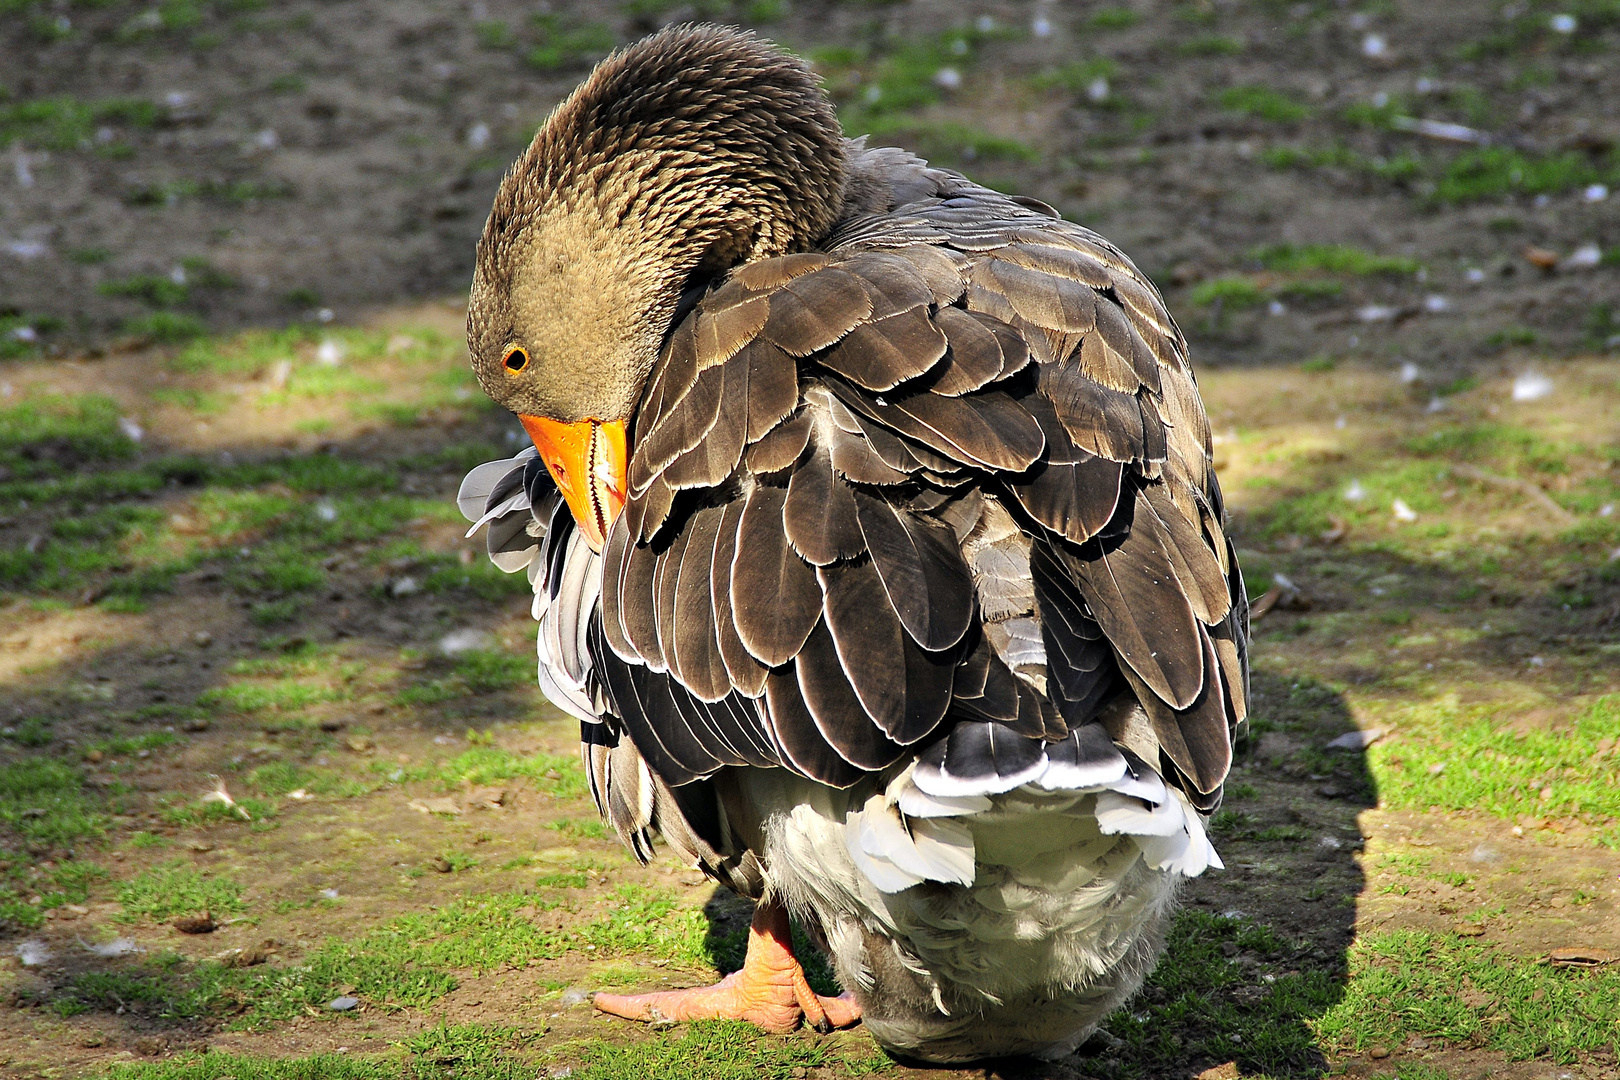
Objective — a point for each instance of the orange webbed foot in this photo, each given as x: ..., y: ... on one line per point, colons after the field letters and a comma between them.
x: 770, y: 991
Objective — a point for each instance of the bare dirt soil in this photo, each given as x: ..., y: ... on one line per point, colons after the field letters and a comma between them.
x: 234, y: 412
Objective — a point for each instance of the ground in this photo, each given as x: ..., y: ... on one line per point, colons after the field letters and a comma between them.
x: 254, y: 679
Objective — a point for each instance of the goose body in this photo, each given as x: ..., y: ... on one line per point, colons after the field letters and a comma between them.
x: 918, y: 618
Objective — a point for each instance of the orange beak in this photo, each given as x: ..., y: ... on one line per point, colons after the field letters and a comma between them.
x: 588, y: 461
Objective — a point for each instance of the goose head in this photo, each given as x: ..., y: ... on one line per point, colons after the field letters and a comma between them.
x: 682, y: 156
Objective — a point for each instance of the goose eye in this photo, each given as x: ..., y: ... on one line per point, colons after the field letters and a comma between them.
x: 516, y: 360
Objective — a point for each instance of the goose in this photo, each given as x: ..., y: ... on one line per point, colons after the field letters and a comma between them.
x: 876, y: 545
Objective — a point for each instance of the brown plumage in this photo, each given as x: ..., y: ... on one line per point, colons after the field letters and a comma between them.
x: 918, y: 485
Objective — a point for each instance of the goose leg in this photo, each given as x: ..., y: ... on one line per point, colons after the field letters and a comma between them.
x: 770, y: 990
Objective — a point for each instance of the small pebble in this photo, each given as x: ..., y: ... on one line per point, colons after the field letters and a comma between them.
x: 196, y: 924
x: 343, y: 1004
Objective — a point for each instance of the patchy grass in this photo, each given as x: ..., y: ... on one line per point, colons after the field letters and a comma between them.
x: 1231, y: 291
x: 1210, y: 45
x: 1226, y: 989
x: 1399, y: 168
x: 725, y: 1050
x: 43, y: 802
x: 1264, y: 103
x: 557, y: 775
x: 561, y: 43
x: 722, y: 1050
x: 1461, y: 760
x: 414, y: 959
x: 218, y: 1066
x: 1492, y: 172
x: 1331, y: 259
x: 176, y: 889
x: 1406, y: 982
x: 65, y: 123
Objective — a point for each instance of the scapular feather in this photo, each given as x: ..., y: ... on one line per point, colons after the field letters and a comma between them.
x: 975, y: 358
x: 812, y: 311
x: 716, y: 455
x: 780, y: 447
x: 1048, y: 301
x: 773, y: 386
x: 883, y: 354
x: 1065, y: 262
x: 893, y: 283
x: 868, y: 637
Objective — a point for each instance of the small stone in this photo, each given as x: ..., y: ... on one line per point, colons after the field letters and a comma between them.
x: 195, y: 725
x: 1378, y: 1053
x: 151, y: 1045
x: 360, y: 744
x: 467, y: 640
x: 1356, y: 740
x: 196, y: 924
x: 202, y: 639
x: 343, y: 1004
x: 1470, y: 929
x: 441, y: 864
x: 1541, y: 258
x: 93, y: 756
x: 1228, y: 1071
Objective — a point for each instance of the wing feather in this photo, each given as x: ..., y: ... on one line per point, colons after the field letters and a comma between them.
x: 775, y: 599
x: 922, y: 572
x: 747, y: 674
x: 819, y: 513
